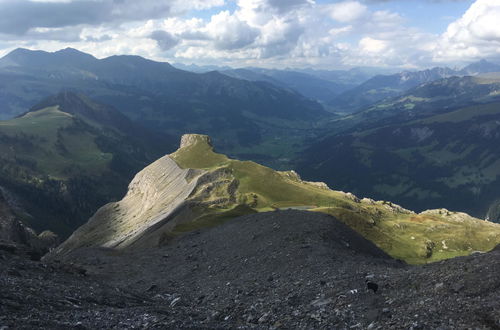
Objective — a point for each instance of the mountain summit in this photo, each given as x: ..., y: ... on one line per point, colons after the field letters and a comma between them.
x: 482, y: 66
x: 36, y: 58
x: 196, y: 187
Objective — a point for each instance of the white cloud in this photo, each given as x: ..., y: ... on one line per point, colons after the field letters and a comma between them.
x: 180, y: 6
x: 373, y: 46
x: 302, y: 33
x: 475, y: 35
x: 387, y: 19
x: 229, y: 32
x: 340, y: 31
x: 347, y: 11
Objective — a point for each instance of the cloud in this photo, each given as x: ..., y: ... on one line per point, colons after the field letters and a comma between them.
x: 347, y: 11
x: 479, y: 23
x: 285, y: 6
x: 386, y: 19
x: 257, y: 29
x: 67, y: 35
x: 275, y: 6
x: 435, y: 1
x: 19, y: 16
x: 105, y: 37
x: 229, y: 32
x: 274, y: 33
x: 475, y: 35
x: 299, y: 32
x: 279, y: 37
x: 165, y: 40
x: 373, y: 46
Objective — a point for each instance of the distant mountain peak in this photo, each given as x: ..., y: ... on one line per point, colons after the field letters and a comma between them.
x: 17, y: 51
x: 67, y: 100
x: 21, y: 53
x: 70, y: 50
x: 481, y: 66
x: 66, y: 51
x: 483, y: 61
x: 139, y: 62
x: 73, y: 52
x: 39, y: 58
x: 82, y: 106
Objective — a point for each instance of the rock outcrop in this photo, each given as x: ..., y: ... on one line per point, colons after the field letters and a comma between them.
x: 190, y: 139
x: 494, y: 212
x: 156, y: 195
x: 16, y: 235
x: 292, y: 175
x: 159, y: 197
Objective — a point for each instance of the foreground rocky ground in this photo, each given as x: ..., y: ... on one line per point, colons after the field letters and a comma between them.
x: 286, y: 269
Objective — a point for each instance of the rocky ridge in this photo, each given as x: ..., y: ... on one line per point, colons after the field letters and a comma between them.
x: 195, y: 188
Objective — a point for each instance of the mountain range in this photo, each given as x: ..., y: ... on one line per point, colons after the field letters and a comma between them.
x: 381, y: 87
x: 435, y: 145
x: 157, y: 235
x: 306, y: 84
x: 267, y: 115
x: 265, y: 121
x: 237, y: 113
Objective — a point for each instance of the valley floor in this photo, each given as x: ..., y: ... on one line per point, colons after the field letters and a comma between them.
x: 284, y: 269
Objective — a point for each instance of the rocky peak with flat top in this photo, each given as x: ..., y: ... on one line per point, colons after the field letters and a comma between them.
x: 190, y: 139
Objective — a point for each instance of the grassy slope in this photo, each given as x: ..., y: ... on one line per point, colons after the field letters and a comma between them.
x: 65, y: 165
x: 447, y: 160
x: 51, y: 160
x: 420, y: 238
x: 464, y: 114
x: 415, y: 238
x: 52, y: 147
x: 471, y: 162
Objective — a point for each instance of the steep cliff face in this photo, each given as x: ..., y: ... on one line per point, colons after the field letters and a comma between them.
x: 196, y: 187
x: 159, y: 197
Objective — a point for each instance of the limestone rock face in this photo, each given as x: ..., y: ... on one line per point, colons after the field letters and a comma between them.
x: 155, y: 196
x: 190, y: 139
x: 159, y: 197
x: 294, y: 176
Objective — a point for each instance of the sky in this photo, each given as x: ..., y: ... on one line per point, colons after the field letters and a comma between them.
x: 323, y: 34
